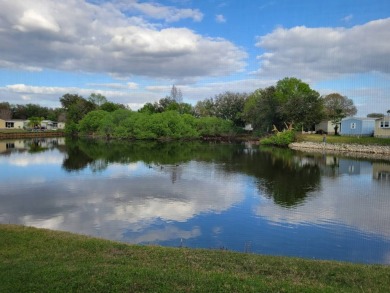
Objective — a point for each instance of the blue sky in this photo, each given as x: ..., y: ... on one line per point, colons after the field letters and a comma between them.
x: 133, y: 51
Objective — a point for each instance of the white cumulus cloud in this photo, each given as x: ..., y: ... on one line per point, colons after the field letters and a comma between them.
x: 320, y: 53
x: 79, y: 36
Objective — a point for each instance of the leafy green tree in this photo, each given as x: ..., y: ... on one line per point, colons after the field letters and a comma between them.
x: 29, y: 110
x: 338, y: 107
x: 185, y: 108
x: 71, y: 128
x: 205, y: 108
x: 68, y: 100
x: 97, y: 99
x: 213, y: 126
x: 261, y: 110
x: 120, y: 115
x: 5, y: 111
x: 230, y: 106
x: 92, y: 121
x: 107, y: 126
x: 36, y: 110
x: 166, y: 104
x: 57, y: 114
x: 35, y: 121
x: 298, y: 103
x: 149, y: 108
x: 76, y: 107
x: 111, y: 107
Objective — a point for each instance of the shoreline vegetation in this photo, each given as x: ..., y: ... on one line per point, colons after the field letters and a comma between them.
x: 40, y: 260
x: 8, y: 134
x: 360, y: 147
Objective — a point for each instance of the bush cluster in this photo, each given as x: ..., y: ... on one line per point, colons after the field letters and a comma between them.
x: 282, y: 139
x: 127, y: 124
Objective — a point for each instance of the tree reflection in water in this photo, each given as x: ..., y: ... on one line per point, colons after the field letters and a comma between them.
x: 280, y: 173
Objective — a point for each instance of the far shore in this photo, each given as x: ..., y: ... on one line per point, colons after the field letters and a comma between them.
x: 8, y: 134
x: 370, y: 147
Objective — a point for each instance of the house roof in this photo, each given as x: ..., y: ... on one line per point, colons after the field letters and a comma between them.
x: 16, y: 120
x: 360, y: 118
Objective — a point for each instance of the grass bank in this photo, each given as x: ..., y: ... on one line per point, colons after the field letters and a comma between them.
x: 343, y: 139
x: 37, y: 260
x: 21, y: 133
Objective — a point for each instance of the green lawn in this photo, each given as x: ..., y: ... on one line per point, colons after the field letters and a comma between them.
x: 36, y: 260
x: 12, y: 130
x: 344, y: 139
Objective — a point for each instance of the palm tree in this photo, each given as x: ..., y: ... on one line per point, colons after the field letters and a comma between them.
x: 35, y: 121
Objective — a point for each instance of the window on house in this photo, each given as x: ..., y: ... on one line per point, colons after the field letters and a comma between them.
x: 383, y: 175
x: 385, y: 124
x: 353, y: 125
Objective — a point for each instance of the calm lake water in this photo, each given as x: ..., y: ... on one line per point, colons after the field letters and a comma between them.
x: 203, y: 195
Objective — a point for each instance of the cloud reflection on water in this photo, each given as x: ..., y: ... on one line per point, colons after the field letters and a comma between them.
x: 129, y: 203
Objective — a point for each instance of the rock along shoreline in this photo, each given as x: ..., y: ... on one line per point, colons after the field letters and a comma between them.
x: 351, y: 150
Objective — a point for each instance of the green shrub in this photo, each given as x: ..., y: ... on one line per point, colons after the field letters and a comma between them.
x: 91, y: 122
x: 282, y: 139
x: 71, y: 128
x: 213, y: 126
x: 124, y: 124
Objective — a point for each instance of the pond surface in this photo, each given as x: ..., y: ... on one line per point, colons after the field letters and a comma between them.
x: 202, y: 195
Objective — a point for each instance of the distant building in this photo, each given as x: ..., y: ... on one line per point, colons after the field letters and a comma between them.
x: 14, y: 123
x: 24, y: 124
x: 382, y: 127
x: 381, y: 171
x: 52, y: 125
x: 325, y: 126
x: 248, y: 127
x: 358, y: 126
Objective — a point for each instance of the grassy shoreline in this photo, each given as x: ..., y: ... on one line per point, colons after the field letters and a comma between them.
x: 333, y: 139
x: 38, y: 260
x: 21, y: 133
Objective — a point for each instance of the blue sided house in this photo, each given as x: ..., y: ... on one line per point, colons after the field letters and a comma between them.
x: 358, y: 126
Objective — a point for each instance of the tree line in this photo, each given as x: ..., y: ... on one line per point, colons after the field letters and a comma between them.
x: 290, y: 101
x: 16, y: 111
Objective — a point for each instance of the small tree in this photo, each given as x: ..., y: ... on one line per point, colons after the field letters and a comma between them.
x: 261, y: 110
x: 230, y: 106
x: 205, y: 108
x: 34, y: 122
x: 338, y: 107
x: 97, y: 99
x: 176, y: 94
x: 5, y: 111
